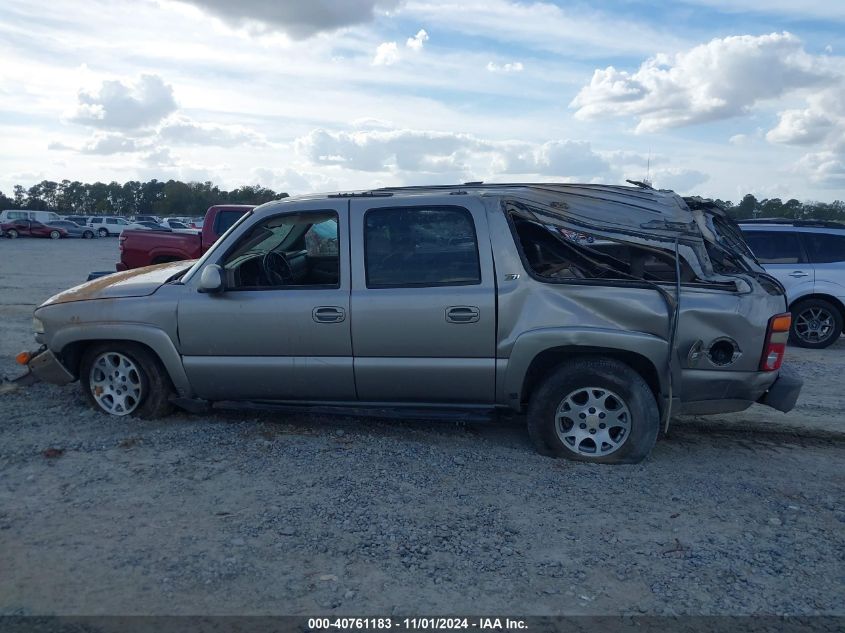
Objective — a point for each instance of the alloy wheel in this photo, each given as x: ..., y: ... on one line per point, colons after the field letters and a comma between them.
x: 593, y: 421
x: 115, y: 383
x: 814, y: 325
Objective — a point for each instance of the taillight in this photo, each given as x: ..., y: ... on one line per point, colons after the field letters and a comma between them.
x: 120, y: 241
x: 775, y: 347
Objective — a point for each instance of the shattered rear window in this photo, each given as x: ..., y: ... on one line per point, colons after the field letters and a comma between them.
x: 556, y: 252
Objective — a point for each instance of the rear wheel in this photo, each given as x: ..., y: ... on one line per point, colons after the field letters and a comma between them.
x: 594, y: 410
x: 12, y: 233
x: 816, y: 323
x: 54, y: 235
x: 103, y: 232
x: 122, y: 378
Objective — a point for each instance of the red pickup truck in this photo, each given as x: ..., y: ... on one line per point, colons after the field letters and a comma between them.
x: 143, y: 248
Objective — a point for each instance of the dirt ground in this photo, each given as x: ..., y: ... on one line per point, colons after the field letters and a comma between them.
x: 268, y: 514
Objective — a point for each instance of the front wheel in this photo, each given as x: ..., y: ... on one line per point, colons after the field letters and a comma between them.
x: 54, y: 235
x: 88, y: 235
x: 125, y: 379
x: 103, y: 232
x: 816, y: 324
x: 594, y: 410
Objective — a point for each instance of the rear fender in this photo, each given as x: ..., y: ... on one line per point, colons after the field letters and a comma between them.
x: 511, y: 381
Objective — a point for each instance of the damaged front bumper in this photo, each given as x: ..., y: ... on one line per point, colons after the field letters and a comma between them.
x: 43, y: 365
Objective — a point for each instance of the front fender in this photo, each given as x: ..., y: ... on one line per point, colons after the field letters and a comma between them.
x: 154, y: 338
x: 529, y: 344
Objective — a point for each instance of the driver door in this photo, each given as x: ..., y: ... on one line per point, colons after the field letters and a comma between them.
x: 281, y: 328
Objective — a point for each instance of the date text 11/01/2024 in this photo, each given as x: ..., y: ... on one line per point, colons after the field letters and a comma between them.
x: 486, y: 624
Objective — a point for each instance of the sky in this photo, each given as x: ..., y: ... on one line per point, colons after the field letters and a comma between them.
x: 707, y: 97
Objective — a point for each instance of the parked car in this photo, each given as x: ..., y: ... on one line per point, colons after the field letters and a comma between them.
x: 45, y: 217
x: 808, y: 257
x: 444, y: 301
x: 82, y: 220
x: 108, y: 225
x: 174, y: 224
x: 147, y: 218
x: 139, y: 248
x: 31, y: 228
x: 74, y: 230
x: 196, y: 223
x: 144, y: 225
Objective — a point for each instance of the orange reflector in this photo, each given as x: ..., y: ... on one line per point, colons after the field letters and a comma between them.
x: 781, y: 323
x: 23, y: 358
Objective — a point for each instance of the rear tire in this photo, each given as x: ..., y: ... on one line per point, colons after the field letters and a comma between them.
x: 122, y: 378
x: 12, y: 233
x: 816, y: 324
x: 594, y: 409
x: 103, y: 232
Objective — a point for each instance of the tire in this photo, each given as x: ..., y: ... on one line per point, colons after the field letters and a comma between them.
x: 54, y: 235
x: 622, y: 399
x: 103, y: 232
x: 816, y: 324
x: 88, y: 235
x: 149, y: 391
x: 12, y: 234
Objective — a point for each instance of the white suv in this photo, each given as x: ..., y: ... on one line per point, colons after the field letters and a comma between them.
x: 808, y: 258
x: 108, y: 224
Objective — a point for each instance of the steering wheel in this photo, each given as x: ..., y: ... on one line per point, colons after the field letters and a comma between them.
x: 277, y: 269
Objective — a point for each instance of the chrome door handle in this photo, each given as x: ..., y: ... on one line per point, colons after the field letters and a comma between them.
x: 799, y: 273
x: 462, y: 314
x: 328, y: 314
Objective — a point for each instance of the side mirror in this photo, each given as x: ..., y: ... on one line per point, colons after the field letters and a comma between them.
x: 211, y: 280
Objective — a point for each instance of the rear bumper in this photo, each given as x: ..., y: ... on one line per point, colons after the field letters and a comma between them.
x: 706, y: 392
x: 784, y: 392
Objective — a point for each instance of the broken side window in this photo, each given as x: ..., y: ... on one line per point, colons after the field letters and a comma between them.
x: 556, y: 252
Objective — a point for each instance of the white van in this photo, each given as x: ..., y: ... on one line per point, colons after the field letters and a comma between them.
x: 45, y: 217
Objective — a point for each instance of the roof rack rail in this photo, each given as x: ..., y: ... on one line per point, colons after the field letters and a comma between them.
x: 361, y: 194
x: 831, y: 224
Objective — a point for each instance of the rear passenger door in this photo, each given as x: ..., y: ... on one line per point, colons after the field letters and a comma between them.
x: 422, y: 301
x: 781, y: 254
x: 826, y: 251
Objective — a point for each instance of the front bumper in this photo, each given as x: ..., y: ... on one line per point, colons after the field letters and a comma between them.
x: 784, y: 392
x: 45, y: 366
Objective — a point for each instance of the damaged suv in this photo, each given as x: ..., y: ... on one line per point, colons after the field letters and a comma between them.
x: 600, y: 311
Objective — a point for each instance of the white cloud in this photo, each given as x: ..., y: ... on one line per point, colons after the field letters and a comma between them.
x: 739, y: 139
x: 387, y: 54
x: 416, y: 43
x: 564, y: 159
x: 393, y: 150
x: 723, y: 78
x: 185, y: 131
x: 678, y: 179
x: 125, y: 106
x: 820, y: 124
x: 510, y: 67
x: 443, y: 156
x: 297, y: 19
x: 294, y: 181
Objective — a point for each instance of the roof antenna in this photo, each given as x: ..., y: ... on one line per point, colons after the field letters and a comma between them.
x: 647, y: 179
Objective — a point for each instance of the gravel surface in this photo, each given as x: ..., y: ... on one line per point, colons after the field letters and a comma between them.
x: 269, y: 514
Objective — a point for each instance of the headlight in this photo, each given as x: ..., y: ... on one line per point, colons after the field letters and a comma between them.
x: 37, y: 325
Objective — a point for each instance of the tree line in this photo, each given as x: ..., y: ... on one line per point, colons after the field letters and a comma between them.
x: 751, y: 207
x: 193, y: 198
x: 132, y: 198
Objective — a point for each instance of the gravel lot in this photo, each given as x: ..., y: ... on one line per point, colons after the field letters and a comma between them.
x: 268, y: 514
